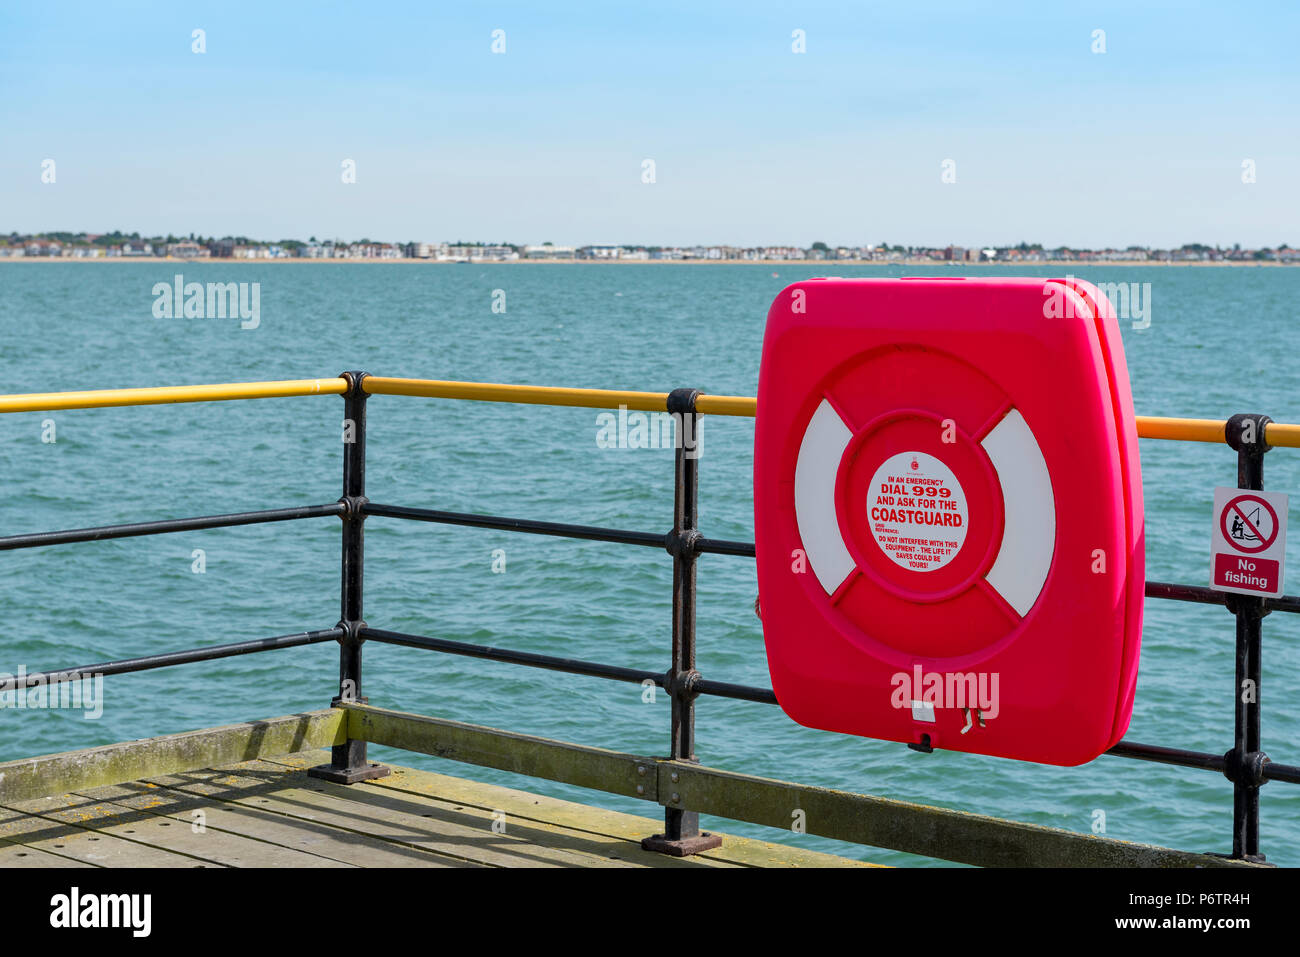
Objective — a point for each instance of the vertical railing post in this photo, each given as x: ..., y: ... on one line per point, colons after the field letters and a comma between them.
x: 348, y: 763
x: 1244, y: 764
x: 682, y: 835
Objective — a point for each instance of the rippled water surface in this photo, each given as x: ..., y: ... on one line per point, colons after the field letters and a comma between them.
x: 1221, y: 340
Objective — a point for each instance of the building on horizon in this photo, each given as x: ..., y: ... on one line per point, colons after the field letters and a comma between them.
x: 549, y: 251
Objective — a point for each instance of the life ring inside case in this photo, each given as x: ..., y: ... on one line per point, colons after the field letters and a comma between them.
x: 948, y: 514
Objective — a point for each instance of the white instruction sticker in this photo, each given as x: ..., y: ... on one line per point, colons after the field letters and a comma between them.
x: 917, y: 511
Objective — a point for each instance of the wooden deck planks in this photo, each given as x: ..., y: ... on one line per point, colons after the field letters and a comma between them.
x: 408, y: 827
x: 465, y: 795
x: 75, y: 842
x: 20, y: 855
x: 180, y: 832
x: 267, y: 812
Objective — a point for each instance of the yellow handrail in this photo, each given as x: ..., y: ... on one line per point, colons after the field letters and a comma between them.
x: 552, y: 395
x: 1210, y: 430
x: 1181, y: 430
x: 1148, y: 426
x: 103, y: 398
x: 527, y: 394
x: 1282, y: 435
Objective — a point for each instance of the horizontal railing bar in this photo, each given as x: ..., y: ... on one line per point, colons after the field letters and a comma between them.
x: 531, y: 659
x: 841, y: 815
x: 1210, y: 430
x: 593, y: 669
x: 588, y: 532
x: 725, y: 689
x: 1208, y: 596
x: 1175, y: 756
x: 561, y: 529
x: 1282, y: 434
x: 717, y: 546
x: 1148, y: 426
x: 104, y: 532
x: 1161, y: 755
x: 721, y: 689
x: 1193, y: 593
x: 1197, y: 759
x: 167, y: 659
x: 1182, y: 430
x: 163, y: 395
x: 552, y: 395
x: 1290, y: 773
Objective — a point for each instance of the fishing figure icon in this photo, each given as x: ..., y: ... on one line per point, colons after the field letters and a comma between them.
x: 1243, y: 533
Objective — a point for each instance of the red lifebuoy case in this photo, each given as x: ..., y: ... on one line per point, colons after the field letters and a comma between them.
x: 948, y: 514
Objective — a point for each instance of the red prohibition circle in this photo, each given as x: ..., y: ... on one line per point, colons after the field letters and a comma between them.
x: 1232, y: 506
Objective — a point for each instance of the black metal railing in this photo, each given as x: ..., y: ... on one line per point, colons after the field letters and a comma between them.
x: 1244, y: 764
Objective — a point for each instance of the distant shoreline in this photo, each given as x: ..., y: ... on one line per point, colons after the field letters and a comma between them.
x: 828, y: 263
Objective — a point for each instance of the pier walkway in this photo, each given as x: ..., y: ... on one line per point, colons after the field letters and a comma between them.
x: 269, y: 813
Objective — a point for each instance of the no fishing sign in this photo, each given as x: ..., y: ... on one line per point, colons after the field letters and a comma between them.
x: 1248, y: 542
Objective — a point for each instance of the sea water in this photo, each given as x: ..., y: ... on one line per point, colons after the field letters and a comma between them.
x: 1204, y: 342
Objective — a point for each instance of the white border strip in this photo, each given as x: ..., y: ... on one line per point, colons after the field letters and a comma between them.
x: 1029, y: 509
x: 815, y: 471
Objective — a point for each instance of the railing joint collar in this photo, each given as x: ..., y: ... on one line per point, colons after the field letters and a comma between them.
x: 351, y: 630
x: 683, y: 544
x: 353, y: 507
x: 682, y: 401
x: 1249, y: 605
x: 1244, y: 425
x: 1246, y: 769
x: 355, y: 388
x: 683, y: 684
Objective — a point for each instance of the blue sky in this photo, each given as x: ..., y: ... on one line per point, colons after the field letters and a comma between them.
x: 752, y: 143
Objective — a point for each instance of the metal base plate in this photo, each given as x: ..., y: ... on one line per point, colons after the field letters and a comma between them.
x: 1252, y: 858
x: 327, y: 772
x: 682, y: 847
